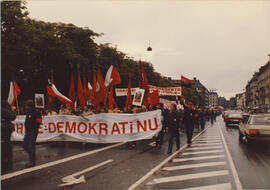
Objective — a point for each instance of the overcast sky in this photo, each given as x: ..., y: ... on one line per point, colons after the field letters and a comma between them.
x: 222, y: 43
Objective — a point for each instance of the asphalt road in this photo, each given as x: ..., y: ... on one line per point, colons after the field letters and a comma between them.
x: 128, y: 164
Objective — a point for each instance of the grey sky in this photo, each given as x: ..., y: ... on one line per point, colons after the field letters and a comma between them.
x: 220, y: 42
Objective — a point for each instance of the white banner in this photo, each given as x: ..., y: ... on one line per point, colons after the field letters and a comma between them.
x: 100, y: 128
x: 162, y: 91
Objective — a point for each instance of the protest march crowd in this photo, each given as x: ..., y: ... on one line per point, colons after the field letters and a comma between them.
x: 180, y: 116
x: 175, y: 121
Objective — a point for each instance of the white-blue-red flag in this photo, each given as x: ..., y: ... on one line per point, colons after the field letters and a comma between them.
x: 52, y: 91
x: 112, y: 76
x: 14, y: 92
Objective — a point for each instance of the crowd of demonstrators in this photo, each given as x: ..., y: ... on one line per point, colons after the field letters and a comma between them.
x: 174, y: 121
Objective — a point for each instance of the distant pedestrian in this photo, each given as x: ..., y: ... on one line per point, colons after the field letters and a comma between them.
x: 202, y: 116
x: 173, y: 128
x: 7, y: 116
x: 32, y: 122
x: 212, y: 116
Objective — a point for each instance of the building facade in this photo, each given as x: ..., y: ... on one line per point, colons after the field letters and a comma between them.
x: 202, y: 90
x: 258, y: 88
x: 213, y: 99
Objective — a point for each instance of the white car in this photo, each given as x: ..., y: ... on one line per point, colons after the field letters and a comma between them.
x: 256, y: 127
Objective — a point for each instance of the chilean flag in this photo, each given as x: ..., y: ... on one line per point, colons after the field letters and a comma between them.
x: 112, y: 76
x: 52, y: 91
x: 14, y: 92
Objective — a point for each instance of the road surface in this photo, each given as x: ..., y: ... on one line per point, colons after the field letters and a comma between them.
x: 216, y: 159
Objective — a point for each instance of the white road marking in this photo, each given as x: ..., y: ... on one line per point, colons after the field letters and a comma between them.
x: 209, y: 141
x: 234, y: 171
x: 207, y: 138
x: 14, y: 174
x: 202, y: 152
x: 69, y: 180
x: 205, y: 148
x: 189, y: 166
x: 188, y: 177
x: 224, y: 186
x: 152, y: 171
x: 152, y: 144
x: 197, y: 158
x: 205, y: 144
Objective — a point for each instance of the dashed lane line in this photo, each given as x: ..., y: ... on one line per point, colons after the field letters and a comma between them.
x: 223, y: 186
x: 188, y: 177
x: 205, y: 144
x: 17, y: 173
x: 197, y: 158
x: 205, y: 148
x: 189, y: 166
x: 202, y: 152
x: 209, y: 141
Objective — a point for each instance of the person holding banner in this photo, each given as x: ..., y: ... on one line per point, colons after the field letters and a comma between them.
x: 32, y: 122
x: 173, y: 128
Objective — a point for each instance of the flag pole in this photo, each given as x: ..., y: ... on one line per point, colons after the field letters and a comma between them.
x: 17, y: 102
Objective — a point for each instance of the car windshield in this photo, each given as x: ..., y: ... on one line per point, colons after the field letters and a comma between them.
x: 260, y: 120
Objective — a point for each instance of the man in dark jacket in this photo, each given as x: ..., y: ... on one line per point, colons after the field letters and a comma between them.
x: 202, y: 117
x: 189, y: 115
x: 164, y: 113
x: 7, y: 116
x: 32, y: 122
x: 173, y: 128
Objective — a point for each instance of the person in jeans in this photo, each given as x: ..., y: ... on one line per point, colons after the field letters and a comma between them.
x: 32, y: 122
x: 173, y: 128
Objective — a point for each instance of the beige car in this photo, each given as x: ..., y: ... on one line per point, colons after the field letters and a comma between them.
x: 256, y: 127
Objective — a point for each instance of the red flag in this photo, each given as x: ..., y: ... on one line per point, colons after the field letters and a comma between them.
x: 153, y: 98
x: 72, y: 89
x: 186, y: 80
x: 129, y: 95
x: 85, y: 87
x: 111, y: 100
x: 143, y: 78
x: 81, y: 93
x: 100, y: 90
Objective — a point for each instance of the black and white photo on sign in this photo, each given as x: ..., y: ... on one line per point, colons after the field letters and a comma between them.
x: 39, y: 100
x: 138, y: 97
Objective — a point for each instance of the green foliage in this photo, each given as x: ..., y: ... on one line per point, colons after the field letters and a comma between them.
x: 31, y: 49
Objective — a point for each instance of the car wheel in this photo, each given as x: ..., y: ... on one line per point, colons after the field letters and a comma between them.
x: 240, y: 136
x: 246, y: 139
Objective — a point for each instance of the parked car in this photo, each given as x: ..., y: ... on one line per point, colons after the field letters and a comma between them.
x: 257, y: 127
x: 233, y: 119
